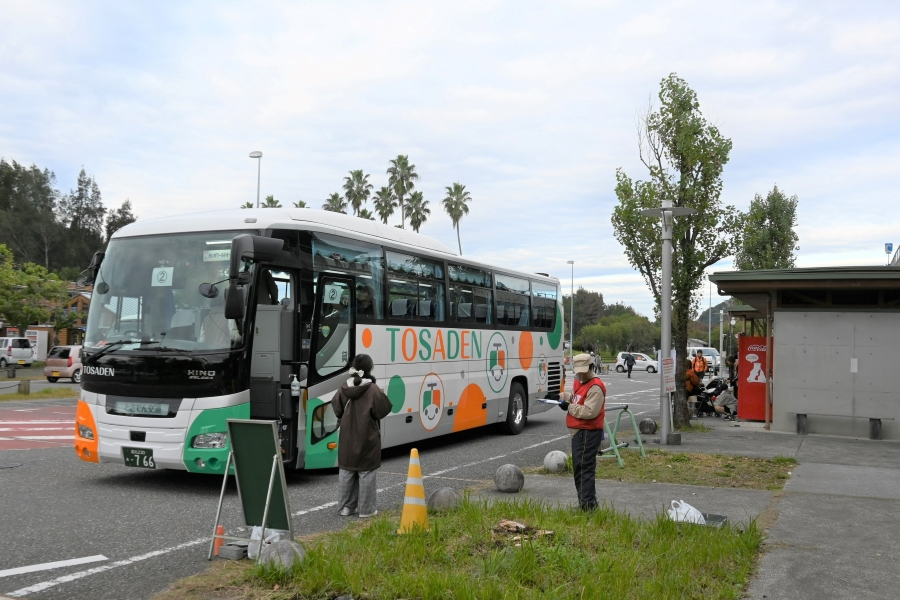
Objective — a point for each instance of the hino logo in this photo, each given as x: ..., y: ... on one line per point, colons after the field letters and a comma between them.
x: 194, y: 374
x: 105, y: 371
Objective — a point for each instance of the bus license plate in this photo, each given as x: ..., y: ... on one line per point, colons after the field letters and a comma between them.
x: 142, y: 408
x: 139, y: 457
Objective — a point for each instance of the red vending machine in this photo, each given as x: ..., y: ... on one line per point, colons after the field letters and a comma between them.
x: 752, y: 378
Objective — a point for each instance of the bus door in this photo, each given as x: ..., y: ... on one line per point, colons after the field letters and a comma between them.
x: 332, y: 349
x: 273, y: 359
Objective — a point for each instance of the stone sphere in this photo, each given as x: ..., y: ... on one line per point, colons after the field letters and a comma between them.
x: 555, y: 461
x: 283, y: 553
x: 445, y: 498
x: 509, y: 478
x: 647, y: 426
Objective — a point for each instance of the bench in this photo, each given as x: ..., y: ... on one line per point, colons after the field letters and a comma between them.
x: 874, y: 424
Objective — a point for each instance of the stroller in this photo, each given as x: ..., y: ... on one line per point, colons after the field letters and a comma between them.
x: 706, y: 397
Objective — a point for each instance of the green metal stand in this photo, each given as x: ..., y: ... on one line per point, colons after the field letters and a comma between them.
x: 614, y: 444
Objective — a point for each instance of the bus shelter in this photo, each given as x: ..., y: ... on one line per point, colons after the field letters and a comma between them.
x: 834, y: 365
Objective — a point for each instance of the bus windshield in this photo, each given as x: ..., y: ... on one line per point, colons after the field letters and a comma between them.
x: 146, y: 295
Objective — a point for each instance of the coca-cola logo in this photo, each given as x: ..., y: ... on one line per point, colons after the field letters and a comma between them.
x: 756, y: 348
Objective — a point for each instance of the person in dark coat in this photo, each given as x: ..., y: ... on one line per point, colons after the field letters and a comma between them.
x: 360, y: 405
x: 629, y: 363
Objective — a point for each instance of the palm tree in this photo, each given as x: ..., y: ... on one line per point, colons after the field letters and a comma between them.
x: 366, y: 214
x: 335, y: 203
x: 271, y: 202
x: 401, y: 181
x: 248, y: 205
x: 384, y: 203
x: 357, y: 189
x: 418, y: 210
x: 300, y: 204
x: 456, y: 205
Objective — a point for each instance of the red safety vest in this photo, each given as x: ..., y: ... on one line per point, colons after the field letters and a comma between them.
x: 580, y: 391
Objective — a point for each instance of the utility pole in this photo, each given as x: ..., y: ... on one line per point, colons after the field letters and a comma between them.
x: 666, y: 215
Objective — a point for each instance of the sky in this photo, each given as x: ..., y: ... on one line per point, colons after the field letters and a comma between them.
x: 532, y: 106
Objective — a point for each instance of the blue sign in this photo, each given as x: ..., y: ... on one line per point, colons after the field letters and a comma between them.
x: 888, y: 248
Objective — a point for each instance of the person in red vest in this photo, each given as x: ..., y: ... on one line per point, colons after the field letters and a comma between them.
x: 585, y: 411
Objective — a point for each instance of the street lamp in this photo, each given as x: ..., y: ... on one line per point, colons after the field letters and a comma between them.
x: 258, y: 156
x: 572, y: 316
x: 666, y: 214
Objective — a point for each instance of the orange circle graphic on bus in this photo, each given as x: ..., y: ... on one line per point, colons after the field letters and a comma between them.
x: 367, y: 337
x: 526, y: 349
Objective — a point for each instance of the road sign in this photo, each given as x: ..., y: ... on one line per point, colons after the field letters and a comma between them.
x: 668, y: 369
x: 888, y: 248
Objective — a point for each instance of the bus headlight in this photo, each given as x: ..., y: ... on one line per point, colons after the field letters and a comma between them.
x: 210, y: 440
x: 85, y: 432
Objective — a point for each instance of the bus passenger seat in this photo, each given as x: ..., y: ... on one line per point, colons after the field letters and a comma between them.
x: 425, y: 309
x: 399, y: 307
x: 465, y: 310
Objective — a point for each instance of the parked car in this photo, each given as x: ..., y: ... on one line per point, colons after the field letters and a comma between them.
x: 63, y: 361
x: 15, y: 351
x: 713, y: 360
x: 642, y: 362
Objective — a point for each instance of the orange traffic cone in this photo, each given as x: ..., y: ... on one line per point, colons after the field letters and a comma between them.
x: 414, y: 514
x: 220, y: 530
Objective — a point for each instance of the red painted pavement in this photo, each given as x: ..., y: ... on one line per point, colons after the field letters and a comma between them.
x: 44, y: 427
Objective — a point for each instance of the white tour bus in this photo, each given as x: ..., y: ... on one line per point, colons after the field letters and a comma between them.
x: 199, y: 318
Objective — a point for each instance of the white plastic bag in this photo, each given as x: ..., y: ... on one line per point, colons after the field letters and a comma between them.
x: 272, y: 536
x: 683, y: 512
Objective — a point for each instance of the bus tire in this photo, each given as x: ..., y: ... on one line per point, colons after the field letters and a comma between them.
x: 516, y: 410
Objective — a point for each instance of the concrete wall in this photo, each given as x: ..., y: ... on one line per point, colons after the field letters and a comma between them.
x: 812, y: 371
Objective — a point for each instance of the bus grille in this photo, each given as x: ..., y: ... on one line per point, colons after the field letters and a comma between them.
x: 553, y: 376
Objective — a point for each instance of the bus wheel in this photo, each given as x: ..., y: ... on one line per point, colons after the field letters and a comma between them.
x: 515, y: 414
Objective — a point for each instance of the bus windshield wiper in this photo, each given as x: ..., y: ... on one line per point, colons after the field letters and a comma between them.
x: 168, y: 349
x: 108, y: 348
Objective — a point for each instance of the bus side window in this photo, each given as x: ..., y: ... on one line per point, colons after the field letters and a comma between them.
x: 333, y: 339
x: 482, y: 306
x: 324, y: 422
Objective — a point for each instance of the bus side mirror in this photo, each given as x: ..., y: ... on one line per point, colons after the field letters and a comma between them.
x: 254, y: 247
x: 89, y: 275
x: 234, y: 302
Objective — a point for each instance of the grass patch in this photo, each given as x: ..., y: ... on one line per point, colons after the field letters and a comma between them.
x: 60, y: 392
x: 603, y: 554
x: 694, y: 428
x: 716, y: 470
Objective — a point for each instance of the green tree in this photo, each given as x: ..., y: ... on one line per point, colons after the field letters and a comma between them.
x: 366, y: 214
x: 357, y: 190
x: 28, y: 223
x: 335, y: 203
x: 401, y: 180
x: 456, y: 205
x: 587, y: 309
x: 271, y: 202
x: 248, y: 205
x: 299, y: 204
x: 769, y: 240
x: 684, y: 156
x: 83, y: 214
x: 119, y: 218
x: 385, y: 203
x: 612, y: 334
x: 418, y: 210
x: 27, y: 296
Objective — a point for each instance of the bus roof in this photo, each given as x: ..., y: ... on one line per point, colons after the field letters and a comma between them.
x: 300, y: 218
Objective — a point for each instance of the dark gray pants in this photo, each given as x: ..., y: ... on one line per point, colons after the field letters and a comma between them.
x: 585, y: 446
x: 356, y: 491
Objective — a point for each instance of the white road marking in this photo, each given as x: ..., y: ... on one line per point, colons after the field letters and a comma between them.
x: 68, y: 422
x: 46, y: 585
x: 39, y: 587
x: 32, y: 428
x: 39, y: 438
x: 53, y: 565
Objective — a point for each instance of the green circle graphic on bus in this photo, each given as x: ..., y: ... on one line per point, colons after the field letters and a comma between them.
x: 497, y: 362
x: 396, y: 393
x: 431, y: 401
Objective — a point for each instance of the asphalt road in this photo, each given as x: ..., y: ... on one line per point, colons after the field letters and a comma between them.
x: 148, y: 529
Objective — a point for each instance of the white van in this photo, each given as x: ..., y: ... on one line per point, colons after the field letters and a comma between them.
x: 713, y: 360
x: 15, y: 351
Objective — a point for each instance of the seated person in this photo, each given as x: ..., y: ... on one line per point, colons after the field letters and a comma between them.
x: 268, y: 289
x: 726, y: 404
x: 691, y: 384
x: 365, y: 306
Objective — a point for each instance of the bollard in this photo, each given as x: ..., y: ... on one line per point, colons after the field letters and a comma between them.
x: 25, y: 387
x: 11, y: 372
